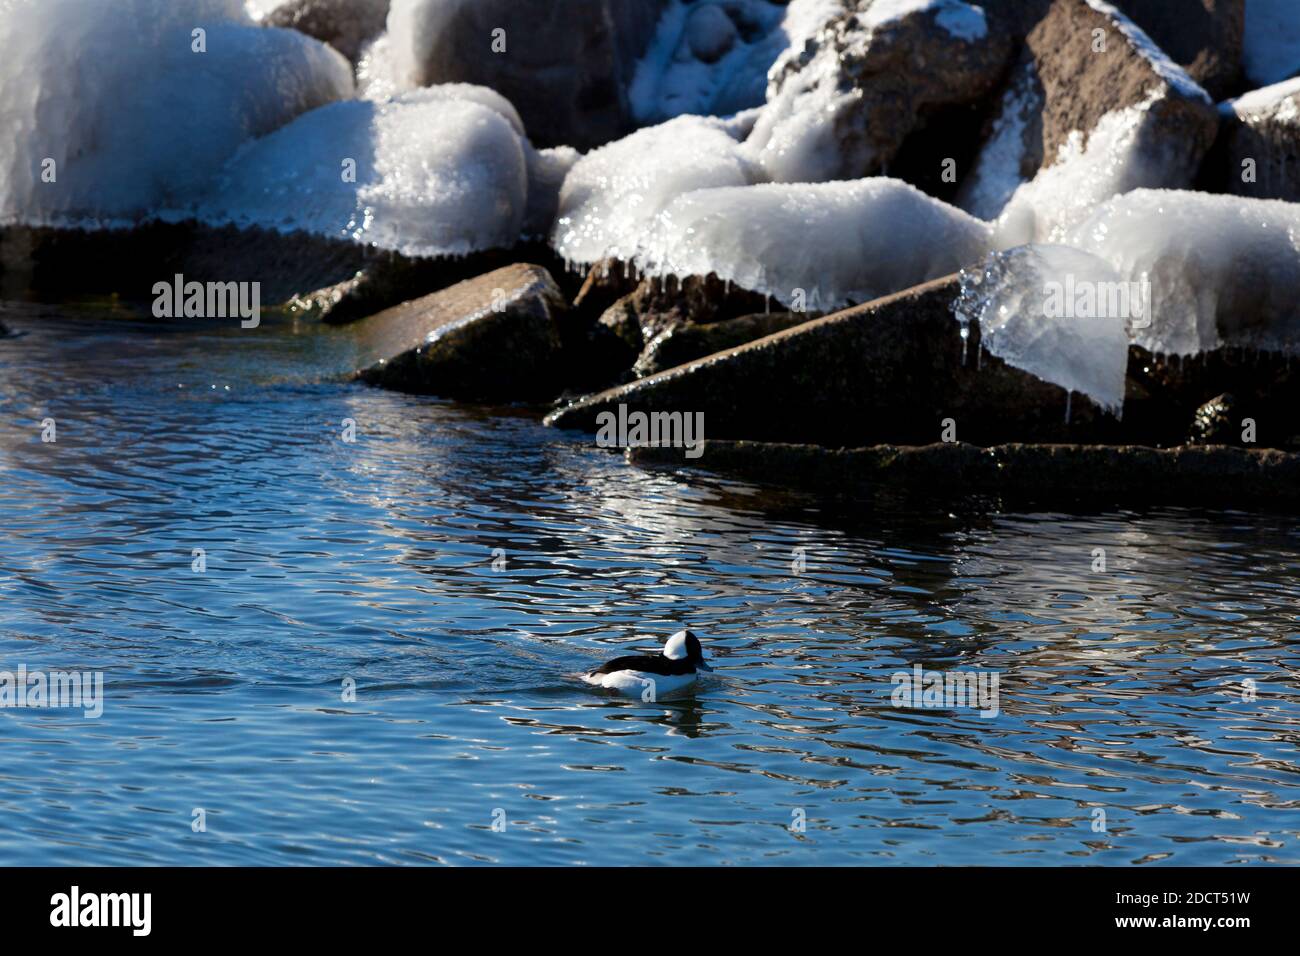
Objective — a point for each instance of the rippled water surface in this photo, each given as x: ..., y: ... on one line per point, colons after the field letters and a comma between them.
x: 1121, y: 692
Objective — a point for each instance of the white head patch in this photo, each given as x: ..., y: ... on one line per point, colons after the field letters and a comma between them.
x: 675, y: 649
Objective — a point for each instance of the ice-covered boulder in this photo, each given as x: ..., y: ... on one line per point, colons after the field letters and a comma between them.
x: 841, y: 106
x: 433, y: 172
x: 1221, y: 270
x: 814, y: 245
x: 118, y: 111
x: 1272, y: 41
x: 1094, y: 109
x: 345, y: 25
x: 1263, y: 141
x: 566, y: 64
x: 491, y: 338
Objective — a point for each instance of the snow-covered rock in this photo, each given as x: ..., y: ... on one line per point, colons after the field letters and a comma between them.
x: 1272, y: 41
x: 438, y: 171
x: 1202, y: 36
x: 814, y: 245
x: 614, y: 194
x: 565, y: 64
x: 345, y: 25
x: 841, y: 106
x: 112, y: 113
x: 1102, y: 111
x: 1263, y: 142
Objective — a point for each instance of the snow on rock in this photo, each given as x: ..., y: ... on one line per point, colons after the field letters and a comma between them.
x: 1263, y: 140
x: 134, y: 120
x: 1222, y: 270
x: 1272, y: 42
x: 1111, y: 121
x: 841, y: 106
x: 713, y: 58
x: 438, y: 171
x: 1026, y: 301
x: 614, y: 194
x: 840, y: 242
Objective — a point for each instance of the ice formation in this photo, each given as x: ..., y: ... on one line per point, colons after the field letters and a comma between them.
x: 614, y: 194
x: 438, y: 171
x: 701, y: 62
x: 1222, y: 270
x: 840, y: 242
x: 1045, y: 309
x: 1271, y: 46
x: 134, y: 120
x: 1176, y: 272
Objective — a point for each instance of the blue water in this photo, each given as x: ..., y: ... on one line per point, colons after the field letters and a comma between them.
x: 373, y: 560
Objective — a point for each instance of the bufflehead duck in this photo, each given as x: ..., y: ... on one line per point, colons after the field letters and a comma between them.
x: 671, y: 672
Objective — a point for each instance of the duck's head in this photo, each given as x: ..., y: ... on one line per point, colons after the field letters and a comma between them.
x: 685, y: 645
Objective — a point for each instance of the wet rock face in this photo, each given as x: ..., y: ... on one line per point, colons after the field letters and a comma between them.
x: 345, y: 25
x: 1262, y: 137
x: 491, y: 338
x: 566, y: 66
x: 1011, y: 473
x: 842, y: 108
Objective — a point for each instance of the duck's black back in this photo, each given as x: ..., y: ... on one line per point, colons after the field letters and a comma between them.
x: 647, y: 665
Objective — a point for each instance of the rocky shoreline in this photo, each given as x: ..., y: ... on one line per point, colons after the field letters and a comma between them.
x: 1065, y: 123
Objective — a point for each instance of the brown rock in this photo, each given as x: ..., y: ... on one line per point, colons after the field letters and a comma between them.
x: 1203, y: 36
x: 1079, y: 65
x: 1262, y: 139
x: 892, y: 370
x: 345, y: 25
x: 566, y: 66
x: 491, y: 338
x: 686, y: 343
x: 844, y: 105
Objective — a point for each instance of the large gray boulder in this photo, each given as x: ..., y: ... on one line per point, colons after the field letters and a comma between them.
x: 566, y: 66
x: 491, y: 338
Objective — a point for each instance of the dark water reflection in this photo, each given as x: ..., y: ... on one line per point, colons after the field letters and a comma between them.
x: 1119, y: 691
